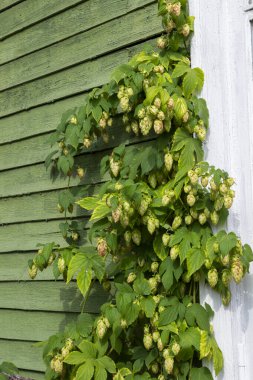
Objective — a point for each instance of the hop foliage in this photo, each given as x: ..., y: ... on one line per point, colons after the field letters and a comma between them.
x: 151, y: 222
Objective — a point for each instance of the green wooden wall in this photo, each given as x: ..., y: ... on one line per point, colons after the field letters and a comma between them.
x: 51, y: 53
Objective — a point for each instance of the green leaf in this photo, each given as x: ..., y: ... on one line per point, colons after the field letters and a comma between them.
x: 191, y: 149
x: 205, y: 344
x: 88, y: 349
x: 75, y: 358
x: 199, y: 314
x: 79, y: 261
x: 227, y: 243
x: 159, y: 248
x: 122, y: 72
x: 88, y: 203
x: 200, y: 374
x: 168, y: 315
x: 180, y: 69
x: 100, y: 212
x: 166, y: 271
x: 86, y: 371
x: 49, y: 158
x: 84, y: 324
x: 217, y: 357
x: 84, y: 278
x: 72, y: 135
x: 66, y: 198
x: 195, y: 260
x: 97, y: 113
x: 186, y: 239
x: 107, y: 363
x: 151, y: 93
x: 149, y: 306
x: 193, y: 81
x: 65, y: 163
x: 189, y: 338
x: 201, y: 109
x: 100, y: 373
x: 141, y: 286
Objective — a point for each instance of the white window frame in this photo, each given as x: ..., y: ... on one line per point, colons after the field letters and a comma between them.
x: 222, y: 46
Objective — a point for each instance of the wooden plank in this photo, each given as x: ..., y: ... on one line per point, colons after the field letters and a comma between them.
x: 116, y: 34
x: 37, y: 120
x: 29, y: 150
x: 34, y: 150
x: 23, y: 354
x: 33, y: 375
x: 32, y: 325
x: 48, y: 296
x: 30, y: 12
x: 75, y: 20
x: 25, y: 236
x: 8, y: 3
x: 35, y: 207
x: 68, y: 82
x: 36, y: 178
x: 62, y: 84
x: 14, y: 267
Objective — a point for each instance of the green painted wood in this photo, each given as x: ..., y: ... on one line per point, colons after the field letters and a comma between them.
x: 35, y: 178
x: 8, y: 3
x: 33, y: 375
x: 25, y: 236
x: 35, y: 149
x: 40, y: 206
x: 14, y: 267
x: 116, y: 34
x: 32, y: 325
x: 37, y: 120
x: 74, y: 80
x: 23, y: 354
x: 48, y: 296
x: 30, y: 12
x: 64, y: 25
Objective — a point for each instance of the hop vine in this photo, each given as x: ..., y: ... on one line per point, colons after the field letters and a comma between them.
x: 151, y: 238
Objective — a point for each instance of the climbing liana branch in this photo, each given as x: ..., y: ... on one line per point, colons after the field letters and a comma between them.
x: 150, y: 238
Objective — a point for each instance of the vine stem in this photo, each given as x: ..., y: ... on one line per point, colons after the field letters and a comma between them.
x: 194, y: 292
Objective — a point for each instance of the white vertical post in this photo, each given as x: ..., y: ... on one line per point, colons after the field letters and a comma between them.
x: 219, y: 48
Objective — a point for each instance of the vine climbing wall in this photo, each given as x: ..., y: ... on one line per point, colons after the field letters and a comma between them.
x: 51, y: 54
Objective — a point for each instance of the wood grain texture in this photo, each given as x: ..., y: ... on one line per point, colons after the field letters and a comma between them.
x: 83, y: 17
x: 30, y: 12
x: 33, y: 375
x: 35, y: 149
x: 80, y: 78
x: 37, y: 120
x: 8, y: 3
x: 14, y: 267
x: 48, y: 296
x: 140, y: 25
x: 35, y: 207
x: 32, y: 325
x: 25, y: 236
x: 23, y: 354
x: 221, y: 30
x: 36, y: 178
